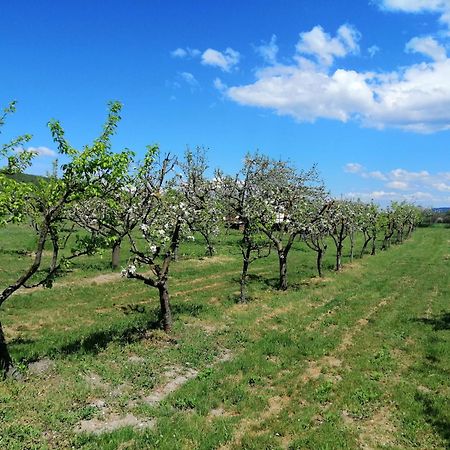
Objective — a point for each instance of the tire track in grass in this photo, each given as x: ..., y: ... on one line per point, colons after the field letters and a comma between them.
x: 313, y: 371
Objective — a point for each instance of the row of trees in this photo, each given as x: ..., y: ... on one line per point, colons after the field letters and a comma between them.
x: 153, y: 205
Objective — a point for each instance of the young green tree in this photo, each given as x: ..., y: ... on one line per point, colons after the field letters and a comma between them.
x: 13, y: 200
x: 89, y: 173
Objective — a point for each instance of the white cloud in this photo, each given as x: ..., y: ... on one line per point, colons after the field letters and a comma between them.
x: 402, y: 185
x: 185, y: 52
x: 442, y: 187
x: 427, y: 46
x: 414, y: 98
x: 179, y: 53
x: 269, y: 51
x: 39, y: 151
x: 421, y: 186
x: 353, y: 168
x: 224, y: 60
x: 441, y: 7
x: 373, y: 50
x: 189, y: 79
x: 219, y: 84
x: 324, y: 48
x: 418, y: 197
x: 377, y: 175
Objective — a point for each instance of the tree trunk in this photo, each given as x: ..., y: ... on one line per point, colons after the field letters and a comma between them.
x: 55, y: 245
x: 352, y: 245
x: 5, y: 358
x: 319, y: 261
x: 339, y: 257
x: 244, y: 274
x: 115, y: 260
x: 374, y: 249
x: 366, y: 242
x: 209, y: 246
x: 175, y: 254
x: 282, y: 286
x: 209, y: 250
x: 165, y: 313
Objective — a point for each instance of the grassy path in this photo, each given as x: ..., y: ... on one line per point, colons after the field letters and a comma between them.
x: 358, y: 360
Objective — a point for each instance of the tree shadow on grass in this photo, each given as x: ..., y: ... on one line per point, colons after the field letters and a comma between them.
x: 438, y: 322
x: 188, y: 309
x: 435, y: 417
x: 93, y: 342
x: 98, y: 340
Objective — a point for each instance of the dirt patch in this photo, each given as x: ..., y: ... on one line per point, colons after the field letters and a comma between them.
x: 219, y: 259
x: 274, y: 407
x: 42, y: 366
x: 217, y: 412
x: 315, y: 368
x: 136, y: 359
x: 319, y: 280
x: 113, y: 422
x: 178, y: 377
x: 95, y: 381
x: 378, y: 431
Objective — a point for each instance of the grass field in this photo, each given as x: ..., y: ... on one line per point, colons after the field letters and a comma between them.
x: 358, y: 359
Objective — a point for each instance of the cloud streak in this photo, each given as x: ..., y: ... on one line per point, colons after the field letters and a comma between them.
x: 420, y: 186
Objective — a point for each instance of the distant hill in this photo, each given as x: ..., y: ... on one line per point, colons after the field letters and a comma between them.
x: 443, y: 209
x: 26, y: 178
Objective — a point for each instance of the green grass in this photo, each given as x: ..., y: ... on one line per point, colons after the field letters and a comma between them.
x: 358, y: 358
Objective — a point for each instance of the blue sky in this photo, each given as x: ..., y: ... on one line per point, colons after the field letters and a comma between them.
x: 360, y: 87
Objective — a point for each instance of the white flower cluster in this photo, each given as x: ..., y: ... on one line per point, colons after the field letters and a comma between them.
x: 128, y: 271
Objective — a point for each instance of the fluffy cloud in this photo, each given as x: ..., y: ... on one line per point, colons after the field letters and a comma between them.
x: 224, y: 60
x: 441, y: 7
x: 373, y: 50
x: 421, y: 186
x: 427, y: 46
x: 353, y: 168
x: 269, y: 51
x: 324, y: 48
x: 39, y: 151
x: 418, y: 197
x: 414, y: 98
x: 189, y: 79
x: 185, y: 52
x: 219, y: 84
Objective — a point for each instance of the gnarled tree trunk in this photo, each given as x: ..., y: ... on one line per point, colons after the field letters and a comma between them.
x: 5, y: 358
x: 282, y: 284
x: 320, y: 253
x: 165, y: 312
x: 243, y: 282
x: 339, y: 256
x: 115, y: 257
